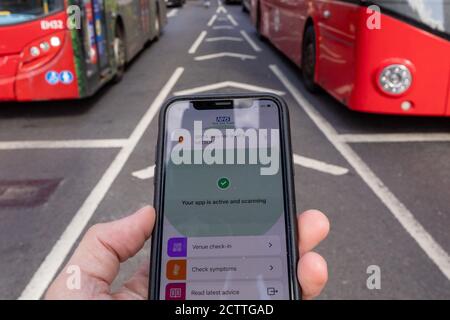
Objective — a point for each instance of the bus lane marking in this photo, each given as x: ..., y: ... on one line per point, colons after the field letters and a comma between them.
x: 197, y: 42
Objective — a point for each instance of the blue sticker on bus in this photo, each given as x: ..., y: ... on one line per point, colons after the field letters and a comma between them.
x: 52, y: 77
x: 66, y: 77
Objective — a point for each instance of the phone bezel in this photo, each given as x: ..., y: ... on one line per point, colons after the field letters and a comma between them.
x: 288, y: 184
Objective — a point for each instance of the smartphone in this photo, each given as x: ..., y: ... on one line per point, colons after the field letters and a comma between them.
x: 225, y: 200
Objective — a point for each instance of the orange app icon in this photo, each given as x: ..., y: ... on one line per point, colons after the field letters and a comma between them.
x: 176, y: 270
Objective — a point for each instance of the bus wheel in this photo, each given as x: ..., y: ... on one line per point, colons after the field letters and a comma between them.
x: 120, y: 53
x: 157, y: 26
x: 259, y: 23
x: 309, y: 59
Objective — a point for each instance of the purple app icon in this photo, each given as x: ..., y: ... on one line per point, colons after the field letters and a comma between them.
x: 177, y: 247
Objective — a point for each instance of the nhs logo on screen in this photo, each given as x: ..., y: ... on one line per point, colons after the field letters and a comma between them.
x: 223, y: 119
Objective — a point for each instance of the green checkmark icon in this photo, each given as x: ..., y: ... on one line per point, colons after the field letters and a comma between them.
x: 223, y: 183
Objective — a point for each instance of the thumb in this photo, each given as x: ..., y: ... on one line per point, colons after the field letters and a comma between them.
x: 100, y: 253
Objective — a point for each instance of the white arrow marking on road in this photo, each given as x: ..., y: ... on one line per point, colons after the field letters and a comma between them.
x: 395, y: 137
x: 227, y: 84
x: 232, y: 20
x: 319, y: 166
x: 197, y: 42
x: 225, y: 54
x: 172, y: 13
x: 250, y: 41
x: 144, y: 174
x: 63, y: 144
x: 221, y: 9
x: 222, y: 27
x: 211, y: 21
x: 223, y: 39
x: 309, y: 163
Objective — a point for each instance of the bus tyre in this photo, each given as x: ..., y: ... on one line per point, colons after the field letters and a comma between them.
x: 309, y: 59
x: 120, y: 53
x: 259, y: 23
x: 157, y: 26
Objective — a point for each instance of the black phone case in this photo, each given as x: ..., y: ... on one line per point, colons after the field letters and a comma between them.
x: 288, y: 180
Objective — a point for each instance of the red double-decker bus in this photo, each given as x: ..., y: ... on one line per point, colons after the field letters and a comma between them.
x: 68, y: 49
x: 379, y: 56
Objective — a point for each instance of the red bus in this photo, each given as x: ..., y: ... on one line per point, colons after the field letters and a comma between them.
x: 380, y: 56
x: 68, y: 49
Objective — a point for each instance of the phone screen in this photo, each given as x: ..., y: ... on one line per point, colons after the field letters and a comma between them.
x: 223, y: 205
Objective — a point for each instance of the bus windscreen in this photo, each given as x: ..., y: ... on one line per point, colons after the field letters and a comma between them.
x: 435, y: 14
x: 17, y: 11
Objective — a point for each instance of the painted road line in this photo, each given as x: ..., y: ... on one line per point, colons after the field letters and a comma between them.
x: 319, y: 165
x: 197, y: 42
x: 223, y: 55
x: 172, y: 13
x: 309, y: 163
x: 145, y: 174
x: 232, y: 20
x: 63, y: 144
x: 223, y: 27
x: 222, y: 19
x: 227, y: 84
x: 220, y: 9
x: 424, y: 239
x: 250, y: 41
x: 395, y: 137
x: 53, y: 261
x: 212, y: 20
x: 223, y: 39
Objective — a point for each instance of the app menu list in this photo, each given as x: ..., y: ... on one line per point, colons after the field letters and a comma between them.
x: 224, y: 268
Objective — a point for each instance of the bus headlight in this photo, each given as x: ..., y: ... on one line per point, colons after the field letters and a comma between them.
x: 41, y: 51
x: 34, y: 51
x: 45, y: 46
x: 55, y: 41
x: 395, y: 79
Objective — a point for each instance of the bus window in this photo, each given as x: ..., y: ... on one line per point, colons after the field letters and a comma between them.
x: 433, y: 14
x: 16, y: 11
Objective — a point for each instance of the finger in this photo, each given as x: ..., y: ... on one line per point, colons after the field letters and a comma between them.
x: 312, y: 274
x: 103, y: 248
x: 313, y: 227
x: 136, y: 287
x: 106, y: 245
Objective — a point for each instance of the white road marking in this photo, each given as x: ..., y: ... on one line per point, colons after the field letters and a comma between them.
x: 212, y: 20
x: 172, y: 13
x: 223, y: 39
x: 432, y: 249
x: 250, y: 41
x: 395, y: 137
x: 319, y: 165
x: 145, y: 174
x: 63, y: 144
x: 225, y: 54
x: 232, y: 20
x: 227, y: 84
x: 221, y: 9
x: 222, y: 19
x: 53, y: 261
x: 223, y: 27
x: 309, y: 163
x: 197, y: 42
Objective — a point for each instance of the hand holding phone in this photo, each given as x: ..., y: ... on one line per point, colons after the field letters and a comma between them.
x: 126, y: 236
x: 224, y: 196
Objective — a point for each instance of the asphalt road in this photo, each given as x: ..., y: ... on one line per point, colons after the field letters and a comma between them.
x: 386, y: 193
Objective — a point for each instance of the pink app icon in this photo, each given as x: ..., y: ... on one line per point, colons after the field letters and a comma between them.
x: 176, y: 291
